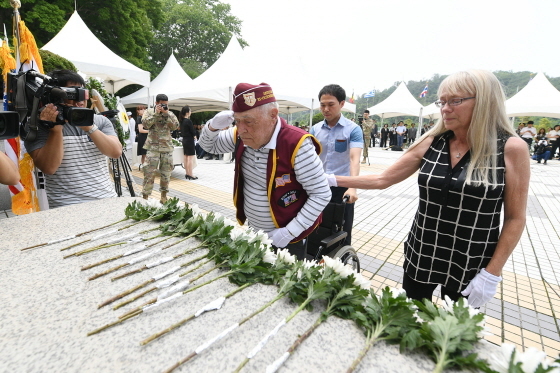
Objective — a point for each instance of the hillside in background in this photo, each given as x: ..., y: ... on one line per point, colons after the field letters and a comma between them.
x: 512, y: 83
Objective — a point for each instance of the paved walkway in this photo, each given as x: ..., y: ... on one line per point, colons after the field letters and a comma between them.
x: 526, y: 309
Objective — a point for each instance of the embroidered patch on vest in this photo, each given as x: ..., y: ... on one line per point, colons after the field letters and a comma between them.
x: 283, y: 180
x: 288, y: 198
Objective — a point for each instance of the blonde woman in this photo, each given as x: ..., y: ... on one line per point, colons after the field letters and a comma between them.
x: 464, y: 164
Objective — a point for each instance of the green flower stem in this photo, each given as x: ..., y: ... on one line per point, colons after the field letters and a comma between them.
x: 134, y: 298
x: 90, y: 266
x: 189, y: 318
x: 194, y: 261
x: 371, y: 339
x: 305, y: 335
x: 74, y: 245
x: 154, y: 300
x: 243, y: 321
x: 97, y: 275
x: 298, y: 310
x: 113, y: 269
x: 125, y: 293
x: 186, y: 264
x: 98, y: 330
x: 78, y: 235
x: 441, y: 359
x: 207, y: 282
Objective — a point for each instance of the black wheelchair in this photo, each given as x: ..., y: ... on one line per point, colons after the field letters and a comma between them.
x: 328, y: 238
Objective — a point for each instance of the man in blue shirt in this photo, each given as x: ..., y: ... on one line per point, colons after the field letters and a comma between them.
x: 342, y: 141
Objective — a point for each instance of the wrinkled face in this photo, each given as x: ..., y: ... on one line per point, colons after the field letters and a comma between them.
x: 254, y: 128
x: 330, y: 107
x: 457, y: 117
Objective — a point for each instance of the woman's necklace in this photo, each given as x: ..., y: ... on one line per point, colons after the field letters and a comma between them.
x: 461, y: 153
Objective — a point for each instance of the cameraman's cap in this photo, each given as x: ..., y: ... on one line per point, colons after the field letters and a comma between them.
x: 247, y: 96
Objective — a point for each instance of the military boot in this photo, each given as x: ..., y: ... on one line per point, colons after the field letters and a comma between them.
x: 163, y: 198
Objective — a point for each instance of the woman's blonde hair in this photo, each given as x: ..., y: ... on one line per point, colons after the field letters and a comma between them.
x: 488, y: 120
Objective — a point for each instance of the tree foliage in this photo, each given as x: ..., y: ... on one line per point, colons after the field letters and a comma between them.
x: 52, y: 61
x: 126, y: 26
x: 197, y: 31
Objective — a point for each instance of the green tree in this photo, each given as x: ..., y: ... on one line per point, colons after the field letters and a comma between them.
x: 53, y: 61
x: 197, y: 31
x: 126, y: 26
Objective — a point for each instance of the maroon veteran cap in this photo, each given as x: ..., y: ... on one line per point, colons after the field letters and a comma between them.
x: 247, y: 96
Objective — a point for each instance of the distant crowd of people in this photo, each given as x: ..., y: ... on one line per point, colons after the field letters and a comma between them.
x: 543, y: 143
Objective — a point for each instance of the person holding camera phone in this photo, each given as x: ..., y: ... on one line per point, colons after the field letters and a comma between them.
x: 74, y: 157
x: 159, y: 122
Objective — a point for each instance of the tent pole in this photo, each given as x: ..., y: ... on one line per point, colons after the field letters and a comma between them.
x: 230, y: 100
x: 311, y: 114
x: 420, y: 118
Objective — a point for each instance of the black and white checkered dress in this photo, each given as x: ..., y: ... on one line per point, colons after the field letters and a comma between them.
x: 457, y: 226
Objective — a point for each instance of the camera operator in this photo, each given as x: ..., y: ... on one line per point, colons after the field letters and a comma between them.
x: 160, y: 122
x: 9, y: 174
x: 73, y: 158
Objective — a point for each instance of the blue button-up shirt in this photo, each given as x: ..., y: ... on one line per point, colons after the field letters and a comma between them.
x: 336, y: 143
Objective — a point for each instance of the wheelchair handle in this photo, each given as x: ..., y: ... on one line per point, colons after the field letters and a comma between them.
x: 345, y: 198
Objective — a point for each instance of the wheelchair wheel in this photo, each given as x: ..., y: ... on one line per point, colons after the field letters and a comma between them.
x: 348, y: 255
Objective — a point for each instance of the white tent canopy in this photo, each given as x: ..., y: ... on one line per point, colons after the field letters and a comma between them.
x: 172, y: 79
x: 93, y: 58
x: 431, y: 112
x: 399, y: 103
x: 213, y: 89
x: 537, y: 98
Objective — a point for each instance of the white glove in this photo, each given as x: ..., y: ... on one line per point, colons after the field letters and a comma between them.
x: 222, y: 120
x: 332, y: 180
x: 280, y: 237
x: 482, y: 288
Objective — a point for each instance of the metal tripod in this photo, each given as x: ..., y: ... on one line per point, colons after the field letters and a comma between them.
x: 118, y: 164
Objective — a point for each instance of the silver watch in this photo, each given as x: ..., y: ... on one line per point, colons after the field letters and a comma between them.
x: 92, y: 129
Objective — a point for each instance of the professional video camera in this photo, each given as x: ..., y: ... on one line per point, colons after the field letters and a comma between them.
x: 29, y: 91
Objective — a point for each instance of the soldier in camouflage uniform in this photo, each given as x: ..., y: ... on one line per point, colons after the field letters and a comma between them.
x: 159, y: 122
x: 367, y: 126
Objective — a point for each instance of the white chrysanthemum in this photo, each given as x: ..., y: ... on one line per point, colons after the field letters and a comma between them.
x: 361, y: 281
x: 269, y: 257
x: 347, y: 270
x: 448, y: 304
x: 250, y: 235
x: 265, y: 240
x: 337, y: 266
x: 285, y: 256
x: 151, y: 202
x: 229, y: 223
x: 197, y: 211
x: 530, y: 359
x: 309, y: 263
x: 395, y: 292
x: 236, y: 234
x: 418, y: 318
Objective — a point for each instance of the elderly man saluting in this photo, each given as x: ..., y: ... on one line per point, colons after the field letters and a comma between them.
x: 281, y: 190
